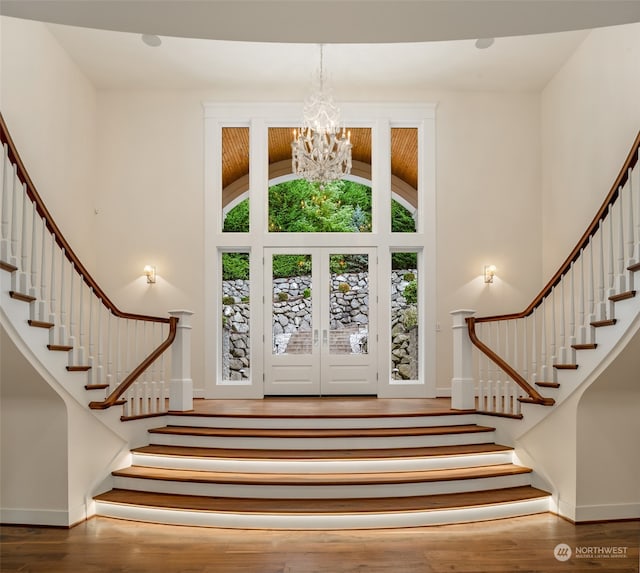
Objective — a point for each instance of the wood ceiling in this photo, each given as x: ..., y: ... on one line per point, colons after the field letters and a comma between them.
x: 235, y: 152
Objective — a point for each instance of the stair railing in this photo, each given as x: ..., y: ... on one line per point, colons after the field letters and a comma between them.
x: 518, y: 353
x: 123, y: 354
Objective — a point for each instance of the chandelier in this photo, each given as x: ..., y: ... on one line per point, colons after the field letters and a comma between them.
x: 321, y: 150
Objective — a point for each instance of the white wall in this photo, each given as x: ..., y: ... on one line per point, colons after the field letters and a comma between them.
x: 590, y: 117
x: 50, y: 109
x: 33, y: 439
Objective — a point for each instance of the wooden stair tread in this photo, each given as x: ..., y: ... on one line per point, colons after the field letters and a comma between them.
x: 548, y: 384
x: 96, y: 386
x: 588, y: 346
x: 600, y: 323
x: 360, y: 454
x: 320, y: 479
x: 21, y: 296
x: 40, y: 324
x: 8, y: 267
x: 59, y: 347
x: 321, y: 433
x: 322, y: 506
x: 622, y: 296
x: 634, y: 268
x: 78, y: 368
x: 565, y: 366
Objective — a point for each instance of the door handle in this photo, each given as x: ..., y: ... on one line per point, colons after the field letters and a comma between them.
x: 315, y: 337
x: 324, y: 337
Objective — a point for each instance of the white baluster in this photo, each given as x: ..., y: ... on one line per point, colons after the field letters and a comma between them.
x: 146, y: 396
x: 52, y: 298
x: 630, y: 231
x: 91, y: 360
x: 621, y: 282
x: 13, y: 255
x: 507, y: 394
x: 591, y: 331
x: 62, y: 331
x: 490, y: 400
x: 498, y: 396
x: 42, y: 305
x: 572, y: 316
x: 98, y: 376
x: 109, y: 379
x: 602, y: 302
x: 22, y: 285
x: 481, y: 396
x: 81, y: 333
x: 117, y: 358
x: 33, y: 279
x: 7, y: 180
x: 534, y: 350
x: 73, y: 355
x: 611, y: 291
x: 562, y: 357
x: 544, y: 367
x: 582, y: 331
x: 525, y: 350
x: 554, y: 357
x: 517, y: 407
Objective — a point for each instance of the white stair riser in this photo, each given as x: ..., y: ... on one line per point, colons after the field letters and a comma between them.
x: 346, y: 443
x: 320, y: 491
x: 322, y: 466
x: 323, y: 522
x: 322, y: 423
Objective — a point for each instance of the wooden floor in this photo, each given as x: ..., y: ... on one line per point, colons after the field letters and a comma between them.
x: 103, y: 545
x: 328, y: 407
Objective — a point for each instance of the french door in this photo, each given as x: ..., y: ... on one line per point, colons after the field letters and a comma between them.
x: 320, y: 313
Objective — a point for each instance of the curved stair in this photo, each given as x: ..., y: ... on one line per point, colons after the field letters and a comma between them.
x: 295, y: 473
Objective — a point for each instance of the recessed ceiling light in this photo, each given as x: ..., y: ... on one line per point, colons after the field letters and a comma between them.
x: 484, y: 43
x: 151, y: 40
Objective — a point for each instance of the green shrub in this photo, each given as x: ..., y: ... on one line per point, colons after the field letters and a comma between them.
x: 283, y: 296
x: 344, y: 288
x: 228, y: 300
x: 306, y: 293
x: 409, y: 277
x: 410, y: 317
x: 411, y: 292
x: 235, y: 266
x: 403, y: 261
x: 237, y: 219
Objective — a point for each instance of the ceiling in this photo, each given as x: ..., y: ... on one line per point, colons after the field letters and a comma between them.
x: 330, y: 21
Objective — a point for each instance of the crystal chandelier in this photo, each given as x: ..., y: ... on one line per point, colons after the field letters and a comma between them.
x: 321, y: 150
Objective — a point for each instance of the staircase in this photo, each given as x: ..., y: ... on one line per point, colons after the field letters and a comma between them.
x: 294, y: 472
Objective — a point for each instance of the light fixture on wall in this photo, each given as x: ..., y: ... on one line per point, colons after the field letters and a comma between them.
x: 489, y: 273
x: 150, y: 272
x: 321, y: 149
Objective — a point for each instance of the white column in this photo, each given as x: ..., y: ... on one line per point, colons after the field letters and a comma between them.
x: 181, y: 385
x: 462, y: 384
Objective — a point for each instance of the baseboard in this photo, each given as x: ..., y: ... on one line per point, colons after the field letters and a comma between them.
x: 607, y: 512
x: 443, y: 392
x: 50, y: 517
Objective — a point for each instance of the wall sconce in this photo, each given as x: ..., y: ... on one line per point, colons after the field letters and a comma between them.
x: 150, y: 272
x: 489, y: 273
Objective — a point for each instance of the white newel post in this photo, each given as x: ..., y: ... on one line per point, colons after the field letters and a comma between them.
x: 181, y: 385
x: 463, y: 395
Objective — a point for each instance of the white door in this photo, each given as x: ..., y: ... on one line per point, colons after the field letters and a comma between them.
x: 321, y: 317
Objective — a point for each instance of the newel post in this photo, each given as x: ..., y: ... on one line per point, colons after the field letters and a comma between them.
x: 181, y: 384
x: 463, y: 395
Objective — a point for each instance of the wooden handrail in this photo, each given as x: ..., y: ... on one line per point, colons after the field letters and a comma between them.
x: 42, y: 210
x: 515, y: 376
x: 112, y: 399
x: 629, y: 163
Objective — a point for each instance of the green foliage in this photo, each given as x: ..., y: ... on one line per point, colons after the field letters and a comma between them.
x: 299, y: 206
x: 307, y: 293
x: 410, y: 317
x: 285, y: 266
x: 344, y: 288
x: 348, y: 263
x: 283, y: 296
x: 409, y: 277
x: 237, y: 219
x: 235, y: 266
x: 401, y: 219
x: 402, y: 261
x: 228, y: 300
x: 410, y: 292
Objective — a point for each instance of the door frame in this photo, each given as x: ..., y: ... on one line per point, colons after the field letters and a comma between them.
x: 327, y: 373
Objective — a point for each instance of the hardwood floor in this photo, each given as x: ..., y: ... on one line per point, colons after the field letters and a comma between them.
x: 103, y: 545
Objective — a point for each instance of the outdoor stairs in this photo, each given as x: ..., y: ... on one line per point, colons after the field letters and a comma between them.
x: 339, y: 342
x: 344, y: 471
